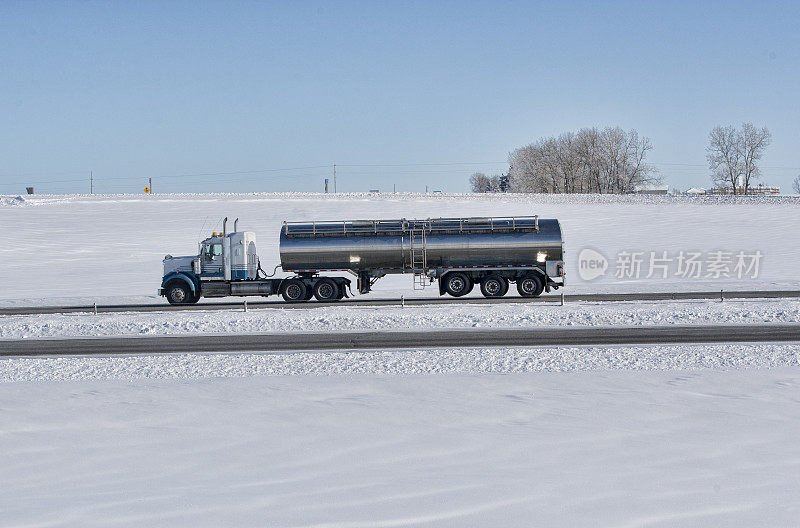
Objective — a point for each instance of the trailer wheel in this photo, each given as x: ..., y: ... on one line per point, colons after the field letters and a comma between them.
x: 179, y: 293
x: 530, y: 286
x: 494, y: 286
x: 339, y: 292
x: 457, y: 284
x: 326, y: 290
x: 294, y: 290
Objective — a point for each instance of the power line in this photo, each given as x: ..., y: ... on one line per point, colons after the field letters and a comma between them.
x: 174, y: 176
x: 424, y: 164
x: 454, y: 171
x: 706, y: 166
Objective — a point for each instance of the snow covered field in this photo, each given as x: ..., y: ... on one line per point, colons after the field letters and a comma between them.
x: 108, y: 248
x: 690, y: 435
x: 362, y: 318
x: 619, y: 448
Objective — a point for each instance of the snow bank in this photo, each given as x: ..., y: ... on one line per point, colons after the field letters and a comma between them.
x: 346, y: 318
x: 401, y: 362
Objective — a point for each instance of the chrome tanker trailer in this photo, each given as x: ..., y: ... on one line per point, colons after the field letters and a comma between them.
x: 458, y: 253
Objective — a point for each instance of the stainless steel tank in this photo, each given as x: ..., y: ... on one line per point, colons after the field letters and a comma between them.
x: 400, y: 246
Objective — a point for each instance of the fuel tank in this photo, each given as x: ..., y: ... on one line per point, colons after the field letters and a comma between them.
x: 401, y: 246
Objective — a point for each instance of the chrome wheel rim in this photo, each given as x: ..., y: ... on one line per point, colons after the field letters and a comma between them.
x: 529, y: 285
x: 325, y: 290
x: 293, y: 291
x: 178, y: 295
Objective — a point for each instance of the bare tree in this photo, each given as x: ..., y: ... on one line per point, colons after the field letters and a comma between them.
x: 588, y: 161
x: 480, y: 183
x: 752, y: 144
x: 796, y: 185
x: 724, y: 158
x: 733, y: 155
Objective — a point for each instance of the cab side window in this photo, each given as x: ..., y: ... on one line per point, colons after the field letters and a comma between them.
x: 211, y: 251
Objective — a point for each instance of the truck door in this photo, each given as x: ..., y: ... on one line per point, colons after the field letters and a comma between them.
x: 211, y: 259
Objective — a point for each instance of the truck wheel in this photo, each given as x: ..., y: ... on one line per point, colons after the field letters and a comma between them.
x: 494, y: 286
x: 457, y: 284
x: 179, y: 293
x: 530, y: 286
x: 326, y: 290
x: 294, y: 290
x: 309, y: 293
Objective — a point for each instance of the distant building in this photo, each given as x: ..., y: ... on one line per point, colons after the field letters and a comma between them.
x: 696, y: 191
x: 651, y: 189
x: 759, y: 190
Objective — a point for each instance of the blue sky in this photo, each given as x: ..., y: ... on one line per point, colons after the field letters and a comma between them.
x: 215, y: 96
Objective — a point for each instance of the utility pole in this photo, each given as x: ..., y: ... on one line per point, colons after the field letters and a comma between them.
x: 334, y: 178
x: 150, y: 185
x: 91, y: 182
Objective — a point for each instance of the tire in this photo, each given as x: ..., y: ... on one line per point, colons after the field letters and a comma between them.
x: 340, y: 292
x: 294, y: 290
x: 178, y: 292
x: 530, y: 285
x: 326, y: 290
x: 494, y: 286
x: 457, y: 284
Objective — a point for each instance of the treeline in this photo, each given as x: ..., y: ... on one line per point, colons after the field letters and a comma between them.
x: 590, y: 160
x: 482, y: 183
x: 612, y: 161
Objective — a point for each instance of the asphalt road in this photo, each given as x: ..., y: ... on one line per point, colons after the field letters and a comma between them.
x: 404, y: 339
x: 279, y: 303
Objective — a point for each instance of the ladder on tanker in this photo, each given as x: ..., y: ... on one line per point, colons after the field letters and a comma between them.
x: 419, y: 257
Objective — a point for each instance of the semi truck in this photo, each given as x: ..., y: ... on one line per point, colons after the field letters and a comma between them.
x: 457, y: 253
